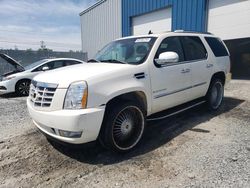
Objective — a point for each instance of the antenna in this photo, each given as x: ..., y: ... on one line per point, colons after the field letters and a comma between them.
x: 150, y: 32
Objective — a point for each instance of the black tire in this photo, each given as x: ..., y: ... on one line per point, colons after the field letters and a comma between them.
x: 22, y: 87
x: 123, y: 126
x: 215, y: 94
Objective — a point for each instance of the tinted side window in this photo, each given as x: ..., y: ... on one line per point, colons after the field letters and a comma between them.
x: 171, y: 44
x: 53, y: 65
x: 216, y: 46
x: 70, y: 62
x: 40, y: 68
x: 193, y: 48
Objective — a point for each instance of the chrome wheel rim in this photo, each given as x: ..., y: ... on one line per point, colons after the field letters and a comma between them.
x: 216, y: 95
x: 128, y: 127
x: 23, y: 88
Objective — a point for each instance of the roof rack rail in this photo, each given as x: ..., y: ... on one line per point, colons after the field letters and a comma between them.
x: 183, y: 31
x: 179, y: 31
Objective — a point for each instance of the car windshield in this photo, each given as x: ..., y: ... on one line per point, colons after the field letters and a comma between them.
x: 33, y: 65
x: 129, y: 51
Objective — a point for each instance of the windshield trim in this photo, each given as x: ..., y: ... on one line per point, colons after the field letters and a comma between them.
x: 35, y: 64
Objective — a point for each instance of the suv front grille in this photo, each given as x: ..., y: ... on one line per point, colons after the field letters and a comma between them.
x: 41, y: 94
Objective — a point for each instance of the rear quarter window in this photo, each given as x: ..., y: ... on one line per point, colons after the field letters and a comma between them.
x: 71, y: 62
x: 217, y: 46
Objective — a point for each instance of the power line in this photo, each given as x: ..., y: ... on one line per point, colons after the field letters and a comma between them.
x: 49, y: 46
x: 33, y: 32
x: 54, y: 49
x: 55, y: 44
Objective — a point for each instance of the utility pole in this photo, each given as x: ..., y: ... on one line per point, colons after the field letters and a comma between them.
x: 42, y: 45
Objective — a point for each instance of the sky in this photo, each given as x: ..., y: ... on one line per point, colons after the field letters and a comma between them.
x: 24, y: 23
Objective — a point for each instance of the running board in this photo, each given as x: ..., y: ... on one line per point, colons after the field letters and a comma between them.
x: 154, y: 116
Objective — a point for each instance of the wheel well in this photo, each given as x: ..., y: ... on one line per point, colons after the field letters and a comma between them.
x: 219, y: 75
x: 25, y: 79
x: 138, y: 96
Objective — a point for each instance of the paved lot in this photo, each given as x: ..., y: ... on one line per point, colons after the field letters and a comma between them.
x: 192, y: 149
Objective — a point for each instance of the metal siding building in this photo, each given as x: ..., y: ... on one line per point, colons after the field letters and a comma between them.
x: 230, y: 20
x: 100, y: 24
x: 186, y: 15
x: 111, y: 19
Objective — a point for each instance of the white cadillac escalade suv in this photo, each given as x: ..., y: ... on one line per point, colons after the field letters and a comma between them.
x: 111, y: 97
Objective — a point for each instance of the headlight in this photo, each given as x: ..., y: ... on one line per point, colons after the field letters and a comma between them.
x: 76, y: 97
x: 8, y: 78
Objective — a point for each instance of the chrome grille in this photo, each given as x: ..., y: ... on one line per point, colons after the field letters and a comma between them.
x: 41, y: 94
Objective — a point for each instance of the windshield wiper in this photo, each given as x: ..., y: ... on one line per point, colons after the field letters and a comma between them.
x: 113, y: 61
x: 93, y: 60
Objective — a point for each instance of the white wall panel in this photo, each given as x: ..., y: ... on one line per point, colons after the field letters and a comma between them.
x: 100, y: 25
x: 157, y: 21
x: 229, y: 19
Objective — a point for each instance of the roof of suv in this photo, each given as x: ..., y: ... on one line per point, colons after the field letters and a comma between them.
x: 172, y: 33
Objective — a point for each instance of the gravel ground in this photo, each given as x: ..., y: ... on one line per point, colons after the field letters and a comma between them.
x: 193, y: 149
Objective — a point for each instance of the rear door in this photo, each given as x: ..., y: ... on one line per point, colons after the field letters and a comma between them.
x: 201, y: 69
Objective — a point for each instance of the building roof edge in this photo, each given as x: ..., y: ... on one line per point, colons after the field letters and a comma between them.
x: 92, y: 7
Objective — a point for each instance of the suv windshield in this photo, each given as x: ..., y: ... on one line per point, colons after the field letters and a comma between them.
x: 130, y: 51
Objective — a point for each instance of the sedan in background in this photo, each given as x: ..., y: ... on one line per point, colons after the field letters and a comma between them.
x: 16, y: 78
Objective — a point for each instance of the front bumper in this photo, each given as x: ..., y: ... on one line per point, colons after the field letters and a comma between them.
x: 87, y: 121
x: 7, y: 86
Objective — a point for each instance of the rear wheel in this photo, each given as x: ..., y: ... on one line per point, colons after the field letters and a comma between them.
x: 123, y: 126
x: 22, y: 87
x: 215, y: 94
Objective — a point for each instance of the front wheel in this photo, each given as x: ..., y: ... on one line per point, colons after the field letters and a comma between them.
x: 123, y: 126
x: 215, y: 94
x: 22, y: 87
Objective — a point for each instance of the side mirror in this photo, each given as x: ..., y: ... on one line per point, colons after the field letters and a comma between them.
x: 167, y: 57
x: 45, y: 68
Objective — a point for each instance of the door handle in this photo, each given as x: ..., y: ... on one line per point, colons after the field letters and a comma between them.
x: 209, y: 65
x: 185, y: 71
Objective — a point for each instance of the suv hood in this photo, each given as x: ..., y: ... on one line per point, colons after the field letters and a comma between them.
x: 65, y: 76
x: 16, y: 66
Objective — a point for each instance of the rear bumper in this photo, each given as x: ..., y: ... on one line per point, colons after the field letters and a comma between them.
x: 87, y: 121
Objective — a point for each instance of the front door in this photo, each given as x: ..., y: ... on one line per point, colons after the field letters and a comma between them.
x: 170, y: 83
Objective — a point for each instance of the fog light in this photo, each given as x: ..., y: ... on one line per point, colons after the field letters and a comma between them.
x: 3, y: 88
x: 70, y: 134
